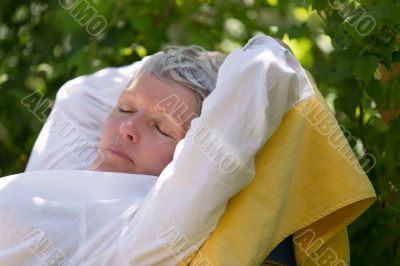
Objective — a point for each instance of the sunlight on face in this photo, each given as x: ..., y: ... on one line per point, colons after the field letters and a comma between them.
x: 139, y: 136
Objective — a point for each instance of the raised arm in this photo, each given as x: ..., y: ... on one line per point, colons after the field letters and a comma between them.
x: 71, y: 133
x: 256, y: 86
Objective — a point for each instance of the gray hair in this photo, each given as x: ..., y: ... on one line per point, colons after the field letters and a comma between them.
x: 190, y: 66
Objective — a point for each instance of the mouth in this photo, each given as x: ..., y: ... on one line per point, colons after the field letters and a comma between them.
x: 118, y: 153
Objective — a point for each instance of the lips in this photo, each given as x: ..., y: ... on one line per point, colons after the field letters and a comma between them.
x: 119, y: 153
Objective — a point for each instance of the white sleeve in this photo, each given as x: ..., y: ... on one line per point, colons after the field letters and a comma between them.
x: 256, y: 86
x: 71, y: 133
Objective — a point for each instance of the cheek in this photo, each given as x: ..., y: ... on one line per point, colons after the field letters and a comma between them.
x: 110, y: 129
x: 161, y: 153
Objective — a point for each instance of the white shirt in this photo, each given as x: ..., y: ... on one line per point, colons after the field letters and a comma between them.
x: 97, y: 218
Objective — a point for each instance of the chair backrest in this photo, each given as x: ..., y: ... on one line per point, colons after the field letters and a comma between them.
x: 308, y: 184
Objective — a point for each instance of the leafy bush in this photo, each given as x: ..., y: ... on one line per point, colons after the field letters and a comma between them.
x: 351, y: 47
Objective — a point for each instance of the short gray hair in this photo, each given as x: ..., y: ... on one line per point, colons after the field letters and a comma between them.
x: 190, y: 66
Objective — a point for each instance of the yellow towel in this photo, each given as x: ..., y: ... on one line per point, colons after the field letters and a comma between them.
x: 308, y: 184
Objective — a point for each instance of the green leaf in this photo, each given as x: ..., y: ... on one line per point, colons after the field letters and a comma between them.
x: 365, y: 67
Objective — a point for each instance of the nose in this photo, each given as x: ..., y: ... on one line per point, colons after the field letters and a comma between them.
x: 130, y: 127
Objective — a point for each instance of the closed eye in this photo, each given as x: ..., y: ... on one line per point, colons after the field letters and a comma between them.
x: 121, y: 110
x: 162, y: 132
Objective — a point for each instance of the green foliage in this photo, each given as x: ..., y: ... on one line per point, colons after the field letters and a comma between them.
x: 355, y: 65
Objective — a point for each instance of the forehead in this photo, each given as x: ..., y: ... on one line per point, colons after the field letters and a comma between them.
x: 151, y: 87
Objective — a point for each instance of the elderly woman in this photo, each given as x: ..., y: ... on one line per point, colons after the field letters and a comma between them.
x: 183, y: 165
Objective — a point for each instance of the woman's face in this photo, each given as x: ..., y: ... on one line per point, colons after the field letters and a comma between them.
x: 141, y: 133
